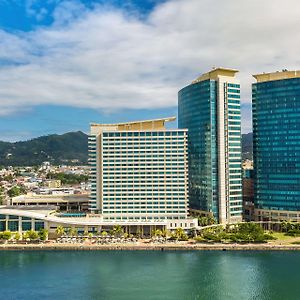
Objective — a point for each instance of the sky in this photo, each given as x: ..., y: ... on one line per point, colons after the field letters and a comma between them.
x: 67, y: 63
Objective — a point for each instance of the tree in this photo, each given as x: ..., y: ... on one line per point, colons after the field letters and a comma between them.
x: 165, y: 233
x: 60, y: 230
x: 43, y: 234
x: 290, y: 228
x: 117, y: 230
x: 193, y: 232
x: 180, y: 234
x: 68, y: 178
x: 138, y: 233
x: 72, y: 232
x: 1, y: 195
x: 16, y: 191
x: 157, y: 233
x: 104, y: 233
x: 206, y: 220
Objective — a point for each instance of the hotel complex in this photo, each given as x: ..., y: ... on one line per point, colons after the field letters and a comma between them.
x: 276, y: 139
x: 210, y: 109
x: 144, y: 176
x: 139, y: 180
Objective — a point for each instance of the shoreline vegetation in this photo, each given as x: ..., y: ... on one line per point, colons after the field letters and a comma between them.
x: 242, y: 236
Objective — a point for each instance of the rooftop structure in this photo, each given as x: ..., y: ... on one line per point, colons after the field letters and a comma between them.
x: 155, y: 124
x: 214, y: 74
x: 285, y: 74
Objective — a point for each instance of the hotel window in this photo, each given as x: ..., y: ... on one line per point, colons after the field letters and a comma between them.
x: 38, y: 226
x: 13, y: 225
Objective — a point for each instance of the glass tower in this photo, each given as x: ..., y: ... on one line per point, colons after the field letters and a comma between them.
x: 210, y: 109
x: 276, y: 138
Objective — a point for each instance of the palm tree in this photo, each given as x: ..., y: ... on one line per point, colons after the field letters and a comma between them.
x: 117, y: 230
x: 60, y: 230
x: 206, y: 220
x: 180, y: 234
x: 138, y: 233
x: 104, y: 233
x: 193, y: 231
x: 73, y: 232
x: 211, y: 220
x: 43, y: 234
x: 157, y: 233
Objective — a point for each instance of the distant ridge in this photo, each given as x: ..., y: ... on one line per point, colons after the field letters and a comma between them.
x: 247, y: 145
x: 70, y: 149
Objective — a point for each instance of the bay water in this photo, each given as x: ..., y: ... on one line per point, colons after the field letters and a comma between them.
x: 150, y: 275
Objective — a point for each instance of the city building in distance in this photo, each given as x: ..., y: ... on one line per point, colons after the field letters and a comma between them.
x: 210, y: 109
x: 248, y: 191
x: 139, y: 171
x: 276, y: 145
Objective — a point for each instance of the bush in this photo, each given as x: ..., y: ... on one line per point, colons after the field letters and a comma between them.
x: 6, y: 235
x: 199, y: 239
x: 240, y: 233
x: 43, y: 234
x: 31, y: 235
x: 17, y: 236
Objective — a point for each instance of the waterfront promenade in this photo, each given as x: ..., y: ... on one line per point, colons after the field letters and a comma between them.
x: 146, y: 245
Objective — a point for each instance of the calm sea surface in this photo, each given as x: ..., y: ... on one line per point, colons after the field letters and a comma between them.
x: 149, y: 275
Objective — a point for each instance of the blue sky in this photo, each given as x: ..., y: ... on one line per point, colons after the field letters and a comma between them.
x: 66, y: 63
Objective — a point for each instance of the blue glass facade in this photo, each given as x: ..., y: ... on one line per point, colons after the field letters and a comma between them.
x: 197, y: 112
x: 276, y: 138
x: 210, y: 109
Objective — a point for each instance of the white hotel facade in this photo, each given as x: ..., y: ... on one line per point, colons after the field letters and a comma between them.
x: 139, y: 171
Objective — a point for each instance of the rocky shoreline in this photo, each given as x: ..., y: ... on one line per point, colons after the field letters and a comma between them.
x: 149, y: 247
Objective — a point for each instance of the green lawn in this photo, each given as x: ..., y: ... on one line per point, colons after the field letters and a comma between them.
x: 281, y: 236
x: 285, y: 239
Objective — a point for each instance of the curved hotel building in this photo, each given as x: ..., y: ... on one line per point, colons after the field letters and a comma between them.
x: 276, y: 141
x: 210, y: 109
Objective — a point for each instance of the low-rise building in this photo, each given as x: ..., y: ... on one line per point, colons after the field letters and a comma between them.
x: 52, y: 184
x: 68, y: 203
x: 20, y: 220
x: 248, y: 193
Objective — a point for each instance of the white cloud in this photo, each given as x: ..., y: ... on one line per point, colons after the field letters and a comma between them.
x: 107, y: 59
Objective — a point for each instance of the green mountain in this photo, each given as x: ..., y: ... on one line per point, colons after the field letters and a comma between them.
x: 247, y: 145
x: 70, y: 148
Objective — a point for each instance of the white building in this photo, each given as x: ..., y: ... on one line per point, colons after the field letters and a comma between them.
x: 139, y: 171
